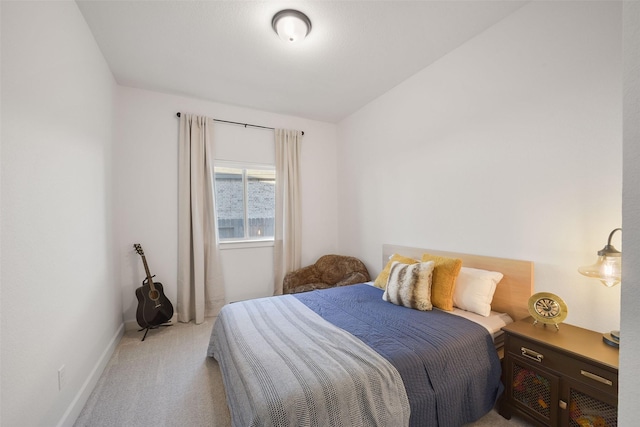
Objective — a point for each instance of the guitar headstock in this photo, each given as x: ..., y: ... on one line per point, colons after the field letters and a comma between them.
x: 138, y: 248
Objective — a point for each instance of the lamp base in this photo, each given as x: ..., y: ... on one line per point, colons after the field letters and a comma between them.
x: 612, y: 339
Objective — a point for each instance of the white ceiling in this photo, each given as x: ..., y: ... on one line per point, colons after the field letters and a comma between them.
x: 226, y: 51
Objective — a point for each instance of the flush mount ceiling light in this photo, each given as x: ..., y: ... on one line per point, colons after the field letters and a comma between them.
x: 291, y: 25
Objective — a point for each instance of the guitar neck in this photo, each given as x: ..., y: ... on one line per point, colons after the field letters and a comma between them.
x: 146, y: 269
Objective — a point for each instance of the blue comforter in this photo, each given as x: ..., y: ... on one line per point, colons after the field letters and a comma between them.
x: 448, y: 364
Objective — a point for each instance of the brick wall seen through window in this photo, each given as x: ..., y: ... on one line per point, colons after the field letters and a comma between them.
x: 245, y: 203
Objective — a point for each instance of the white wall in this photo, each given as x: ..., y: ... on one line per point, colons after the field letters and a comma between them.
x: 508, y: 146
x: 61, y: 300
x: 630, y: 347
x: 146, y: 189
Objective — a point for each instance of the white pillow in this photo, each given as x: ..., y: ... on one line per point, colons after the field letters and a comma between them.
x: 474, y: 290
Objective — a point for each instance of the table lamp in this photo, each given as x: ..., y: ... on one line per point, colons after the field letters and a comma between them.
x: 608, y: 269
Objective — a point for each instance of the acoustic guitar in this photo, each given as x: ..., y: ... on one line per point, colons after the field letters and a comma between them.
x: 154, y: 307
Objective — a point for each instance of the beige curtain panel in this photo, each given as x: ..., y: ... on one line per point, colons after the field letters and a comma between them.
x: 200, y: 282
x: 287, y: 243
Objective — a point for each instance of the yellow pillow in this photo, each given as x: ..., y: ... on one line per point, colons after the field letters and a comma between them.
x: 445, y: 274
x: 381, y: 280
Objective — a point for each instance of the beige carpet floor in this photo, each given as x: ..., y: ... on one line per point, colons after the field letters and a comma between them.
x: 168, y: 380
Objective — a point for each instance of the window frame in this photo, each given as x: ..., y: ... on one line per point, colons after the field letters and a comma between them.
x: 246, y: 241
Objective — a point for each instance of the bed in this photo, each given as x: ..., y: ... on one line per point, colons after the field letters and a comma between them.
x: 345, y: 357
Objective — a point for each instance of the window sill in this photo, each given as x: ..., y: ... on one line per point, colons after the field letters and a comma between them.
x: 245, y: 244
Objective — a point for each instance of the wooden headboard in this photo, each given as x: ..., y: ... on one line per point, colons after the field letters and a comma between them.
x: 512, y: 293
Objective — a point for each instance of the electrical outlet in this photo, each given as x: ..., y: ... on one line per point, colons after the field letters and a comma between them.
x: 61, y: 377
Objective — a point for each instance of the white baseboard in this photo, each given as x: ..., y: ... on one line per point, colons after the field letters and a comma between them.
x: 74, y: 409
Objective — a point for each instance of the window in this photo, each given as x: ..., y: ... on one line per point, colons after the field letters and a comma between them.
x: 245, y: 202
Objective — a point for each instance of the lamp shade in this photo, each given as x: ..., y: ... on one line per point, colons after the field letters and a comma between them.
x: 291, y: 25
x: 608, y: 267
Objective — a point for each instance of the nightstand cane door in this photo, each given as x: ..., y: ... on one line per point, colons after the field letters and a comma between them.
x: 533, y: 390
x: 587, y: 406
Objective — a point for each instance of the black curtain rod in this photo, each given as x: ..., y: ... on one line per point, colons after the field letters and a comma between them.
x: 238, y: 123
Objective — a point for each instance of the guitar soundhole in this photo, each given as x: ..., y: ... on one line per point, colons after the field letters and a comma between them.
x: 154, y: 295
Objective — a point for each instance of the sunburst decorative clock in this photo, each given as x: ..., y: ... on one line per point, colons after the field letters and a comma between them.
x: 547, y: 308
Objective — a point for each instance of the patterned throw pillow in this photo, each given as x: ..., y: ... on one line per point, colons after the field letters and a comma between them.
x: 445, y: 274
x: 409, y: 285
x: 381, y: 280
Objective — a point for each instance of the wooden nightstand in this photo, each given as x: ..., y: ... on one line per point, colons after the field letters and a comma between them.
x: 565, y: 377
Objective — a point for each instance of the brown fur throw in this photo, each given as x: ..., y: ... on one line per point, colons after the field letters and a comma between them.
x: 329, y: 271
